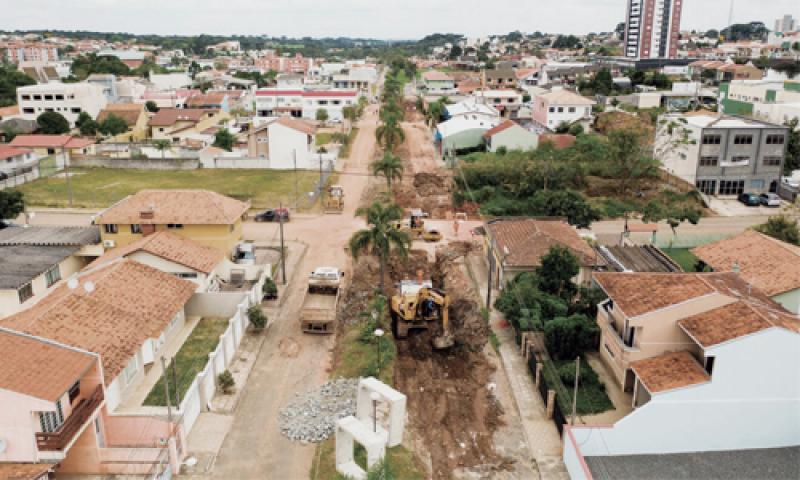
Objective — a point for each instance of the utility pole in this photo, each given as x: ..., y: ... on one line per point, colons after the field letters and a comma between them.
x: 66, y: 174
x: 283, y: 249
x: 489, y: 286
x: 175, y: 382
x: 166, y: 388
x: 320, y: 174
x: 575, y: 390
x: 294, y: 159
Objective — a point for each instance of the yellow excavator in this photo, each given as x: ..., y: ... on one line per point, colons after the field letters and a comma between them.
x: 420, y: 306
x: 334, y: 199
x: 414, y: 225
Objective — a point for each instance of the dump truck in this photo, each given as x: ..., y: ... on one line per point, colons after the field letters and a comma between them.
x: 318, y: 314
x: 334, y: 199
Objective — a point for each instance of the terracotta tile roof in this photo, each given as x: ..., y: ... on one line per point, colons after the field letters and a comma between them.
x: 559, y: 140
x: 7, y: 111
x: 7, y: 151
x: 129, y: 112
x: 637, y: 293
x: 524, y: 72
x: 210, y: 98
x: 495, y: 130
x: 190, y: 207
x: 130, y: 303
x: 50, y: 141
x: 529, y: 239
x: 435, y: 75
x: 38, y: 368
x: 724, y: 323
x: 24, y: 471
x: 770, y: 265
x: 170, y: 116
x: 295, y: 124
x: 669, y: 371
x: 170, y: 247
x: 565, y: 97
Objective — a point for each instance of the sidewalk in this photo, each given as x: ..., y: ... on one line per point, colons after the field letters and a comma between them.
x: 541, y: 435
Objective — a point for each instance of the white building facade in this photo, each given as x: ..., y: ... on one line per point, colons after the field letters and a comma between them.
x: 68, y: 99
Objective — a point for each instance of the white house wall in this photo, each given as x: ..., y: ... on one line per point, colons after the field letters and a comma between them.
x: 752, y: 401
x: 284, y: 143
x: 790, y: 300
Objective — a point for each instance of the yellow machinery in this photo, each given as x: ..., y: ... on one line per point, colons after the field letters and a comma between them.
x: 420, y: 306
x: 334, y: 200
x: 414, y: 226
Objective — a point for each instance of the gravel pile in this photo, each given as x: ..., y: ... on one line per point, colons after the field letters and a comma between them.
x: 312, y: 416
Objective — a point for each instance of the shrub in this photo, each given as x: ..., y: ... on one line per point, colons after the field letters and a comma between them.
x: 566, y: 372
x: 226, y: 382
x: 270, y: 289
x: 568, y: 337
x: 257, y: 317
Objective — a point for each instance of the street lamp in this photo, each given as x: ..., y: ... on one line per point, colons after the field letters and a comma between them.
x: 378, y: 335
x: 375, y: 396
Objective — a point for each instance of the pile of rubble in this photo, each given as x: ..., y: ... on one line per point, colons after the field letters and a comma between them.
x: 311, y: 417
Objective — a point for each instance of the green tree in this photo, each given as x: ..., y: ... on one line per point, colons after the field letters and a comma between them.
x: 52, y: 123
x: 557, y: 269
x: 12, y: 203
x: 162, y: 146
x: 10, y: 80
x: 782, y: 227
x: 113, y: 125
x: 322, y: 115
x: 9, y: 132
x: 792, y: 160
x: 390, y: 166
x: 563, y: 203
x: 562, y: 127
x: 627, y: 161
x: 224, y: 139
x: 151, y: 106
x: 568, y: 337
x: 603, y: 82
x: 380, y: 238
x: 390, y: 134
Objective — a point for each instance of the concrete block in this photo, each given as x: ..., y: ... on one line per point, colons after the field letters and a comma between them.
x: 385, y: 394
x: 350, y: 430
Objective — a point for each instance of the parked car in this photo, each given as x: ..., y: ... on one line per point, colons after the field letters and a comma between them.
x: 432, y: 236
x: 770, y: 200
x: 3, y: 176
x: 273, y: 215
x: 244, y: 254
x: 750, y: 199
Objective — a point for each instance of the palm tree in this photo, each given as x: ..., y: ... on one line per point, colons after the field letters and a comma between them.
x: 390, y: 134
x: 390, y: 166
x: 162, y: 146
x: 380, y: 238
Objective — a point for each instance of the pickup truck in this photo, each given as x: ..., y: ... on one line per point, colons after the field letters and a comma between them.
x: 318, y: 314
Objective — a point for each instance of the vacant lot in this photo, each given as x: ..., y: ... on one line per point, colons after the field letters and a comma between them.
x: 683, y: 257
x: 101, y: 187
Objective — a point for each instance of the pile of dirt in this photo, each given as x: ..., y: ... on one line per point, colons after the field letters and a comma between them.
x: 356, y: 296
x: 452, y: 409
x: 430, y: 192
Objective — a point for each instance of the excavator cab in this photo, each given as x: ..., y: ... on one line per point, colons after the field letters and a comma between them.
x: 334, y: 200
x: 418, y: 306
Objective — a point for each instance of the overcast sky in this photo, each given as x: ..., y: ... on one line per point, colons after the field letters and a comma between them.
x: 386, y: 19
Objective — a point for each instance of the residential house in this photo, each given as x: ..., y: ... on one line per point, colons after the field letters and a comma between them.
x: 721, y: 154
x: 210, y: 100
x: 471, y: 106
x: 206, y: 217
x: 176, y: 255
x: 561, y: 106
x: 168, y: 98
x: 164, y: 82
x: 131, y: 58
x: 107, y: 83
x: 284, y: 64
x: 637, y: 258
x: 766, y: 263
x: 359, y: 78
x: 438, y: 83
x: 25, y: 471
x: 60, y: 147
x: 463, y: 132
x: 135, y: 117
x: 291, y: 144
x: 681, y: 344
x: 517, y: 244
x: 510, y: 136
x: 500, y: 78
x: 274, y: 102
x: 68, y: 99
x: 34, y: 259
x: 769, y: 100
x: 730, y: 72
x: 15, y: 161
x: 176, y: 124
x: 86, y: 346
x: 507, y: 102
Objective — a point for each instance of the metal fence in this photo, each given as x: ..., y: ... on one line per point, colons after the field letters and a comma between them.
x: 308, y: 199
x: 558, y: 414
x: 14, y: 177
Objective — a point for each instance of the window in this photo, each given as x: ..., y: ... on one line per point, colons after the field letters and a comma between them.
x: 712, y: 139
x: 608, y: 350
x: 757, y: 184
x: 552, y: 110
x: 74, y: 391
x: 25, y: 292
x: 52, y: 275
x: 709, y: 365
x: 59, y: 97
x: 50, y: 421
x: 28, y: 110
x: 186, y: 275
x: 130, y: 369
x: 75, y: 109
x: 37, y: 97
x: 743, y: 140
x: 709, y: 161
x: 708, y: 187
x: 26, y: 97
x: 775, y: 139
x: 110, y: 228
x: 731, y: 187
x: 136, y: 228
x: 560, y: 109
x: 571, y: 109
x: 48, y: 97
x: 737, y: 161
x: 174, y: 226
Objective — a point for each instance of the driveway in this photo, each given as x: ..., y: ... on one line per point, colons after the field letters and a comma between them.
x: 731, y: 207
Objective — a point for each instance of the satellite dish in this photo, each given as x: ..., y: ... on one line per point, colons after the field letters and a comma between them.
x: 72, y: 283
x: 89, y: 287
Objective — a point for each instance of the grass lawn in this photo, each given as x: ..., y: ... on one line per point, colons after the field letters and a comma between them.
x: 191, y: 358
x: 683, y: 257
x: 592, y: 396
x: 400, y: 460
x: 101, y: 187
x: 323, y: 138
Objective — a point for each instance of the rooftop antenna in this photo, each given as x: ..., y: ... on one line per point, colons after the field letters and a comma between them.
x: 730, y: 17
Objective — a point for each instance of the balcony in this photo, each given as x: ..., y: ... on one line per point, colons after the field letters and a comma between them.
x: 58, y: 440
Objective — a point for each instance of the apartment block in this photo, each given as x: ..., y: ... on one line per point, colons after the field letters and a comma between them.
x: 652, y: 28
x: 68, y: 99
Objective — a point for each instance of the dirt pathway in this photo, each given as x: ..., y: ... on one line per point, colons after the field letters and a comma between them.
x: 290, y: 361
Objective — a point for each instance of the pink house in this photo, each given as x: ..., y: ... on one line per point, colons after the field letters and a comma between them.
x: 70, y: 360
x: 561, y: 106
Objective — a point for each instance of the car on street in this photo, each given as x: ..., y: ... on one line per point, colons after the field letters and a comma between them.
x: 750, y: 199
x: 272, y: 215
x: 770, y: 200
x: 432, y: 235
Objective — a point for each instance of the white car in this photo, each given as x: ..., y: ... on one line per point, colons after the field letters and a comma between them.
x: 769, y: 200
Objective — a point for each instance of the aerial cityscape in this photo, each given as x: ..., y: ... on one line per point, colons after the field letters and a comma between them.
x: 400, y: 240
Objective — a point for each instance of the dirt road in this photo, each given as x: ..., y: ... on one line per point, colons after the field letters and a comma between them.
x: 290, y: 361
